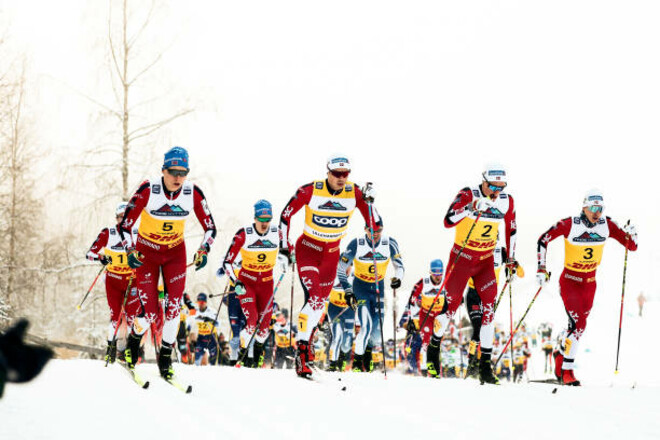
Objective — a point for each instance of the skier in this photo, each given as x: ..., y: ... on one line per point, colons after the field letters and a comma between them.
x: 285, y: 341
x: 584, y: 240
x: 329, y: 205
x: 366, y: 294
x: 163, y: 205
x: 342, y: 324
x: 187, y: 309
x: 422, y: 297
x: 109, y: 251
x: 477, y: 214
x: 258, y: 246
x: 203, y: 331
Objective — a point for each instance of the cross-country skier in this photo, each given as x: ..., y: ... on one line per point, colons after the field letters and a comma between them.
x: 584, y: 240
x: 109, y: 251
x: 422, y: 297
x: 203, y: 331
x: 163, y: 205
x: 477, y: 214
x: 329, y: 205
x: 258, y: 247
x: 285, y: 340
x: 342, y: 324
x: 366, y: 294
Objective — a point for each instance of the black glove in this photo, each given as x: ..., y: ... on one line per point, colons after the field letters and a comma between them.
x: 135, y: 259
x: 410, y: 326
x: 105, y: 259
x: 287, y: 253
x: 395, y: 283
x: 350, y: 298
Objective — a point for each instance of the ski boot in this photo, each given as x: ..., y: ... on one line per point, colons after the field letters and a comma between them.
x: 433, y: 357
x: 486, y: 371
x: 333, y: 366
x: 473, y: 367
x: 568, y: 378
x: 258, y: 359
x: 111, y: 352
x: 559, y: 360
x: 165, y: 362
x: 303, y: 362
x: 132, y: 352
x: 244, y: 360
x: 358, y: 363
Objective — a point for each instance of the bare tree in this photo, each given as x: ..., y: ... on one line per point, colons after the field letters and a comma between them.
x: 129, y: 69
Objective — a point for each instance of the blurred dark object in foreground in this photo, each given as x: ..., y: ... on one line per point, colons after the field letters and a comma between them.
x: 20, y: 362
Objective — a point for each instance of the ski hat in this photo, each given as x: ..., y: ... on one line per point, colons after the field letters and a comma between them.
x: 201, y: 296
x: 338, y: 161
x: 263, y: 208
x: 121, y: 208
x: 495, y: 172
x: 593, y: 197
x: 437, y: 267
x: 176, y: 157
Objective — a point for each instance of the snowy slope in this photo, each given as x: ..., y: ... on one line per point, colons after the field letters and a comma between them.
x: 73, y: 399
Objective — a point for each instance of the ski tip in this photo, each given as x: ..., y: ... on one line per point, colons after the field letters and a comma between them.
x: 189, y: 389
x: 77, y: 307
x: 554, y: 390
x: 145, y: 386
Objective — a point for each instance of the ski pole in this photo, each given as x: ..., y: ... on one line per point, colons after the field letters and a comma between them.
x: 122, y: 312
x: 517, y: 327
x: 378, y: 301
x: 623, y: 292
x: 497, y: 303
x: 218, y: 314
x: 90, y: 288
x: 451, y: 269
x: 261, y: 317
x: 293, y: 282
x: 511, y: 320
x: 394, y: 322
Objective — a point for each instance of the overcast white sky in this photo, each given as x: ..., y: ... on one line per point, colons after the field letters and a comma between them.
x: 419, y: 95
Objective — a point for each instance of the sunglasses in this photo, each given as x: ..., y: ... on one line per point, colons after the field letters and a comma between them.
x: 264, y: 219
x: 340, y: 174
x: 177, y: 173
x: 495, y: 188
x: 595, y: 209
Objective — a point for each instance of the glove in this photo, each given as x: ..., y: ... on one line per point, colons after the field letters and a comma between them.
x: 542, y: 276
x: 630, y: 230
x: 514, y: 268
x: 186, y: 300
x: 350, y: 298
x: 395, y: 283
x: 220, y: 272
x: 482, y: 204
x: 134, y: 259
x: 282, y: 262
x: 105, y: 259
x: 201, y: 257
x: 368, y: 193
x: 286, y: 252
x: 410, y: 326
x: 239, y: 288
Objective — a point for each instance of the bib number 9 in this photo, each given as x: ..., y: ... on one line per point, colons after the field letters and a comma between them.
x: 261, y: 258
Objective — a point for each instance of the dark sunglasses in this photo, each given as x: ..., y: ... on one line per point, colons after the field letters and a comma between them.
x: 340, y: 174
x: 264, y: 219
x: 595, y: 209
x: 177, y: 173
x: 495, y: 188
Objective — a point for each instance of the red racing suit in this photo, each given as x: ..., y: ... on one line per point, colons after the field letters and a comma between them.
x: 160, y: 239
x: 422, y: 296
x: 327, y: 214
x: 584, y: 243
x: 476, y: 261
x: 258, y: 257
x: 117, y: 275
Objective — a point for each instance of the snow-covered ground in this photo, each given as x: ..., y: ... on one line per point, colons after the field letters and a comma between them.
x: 83, y: 399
